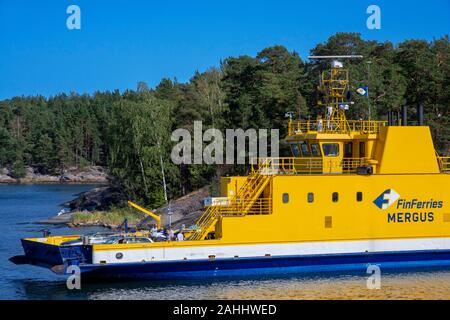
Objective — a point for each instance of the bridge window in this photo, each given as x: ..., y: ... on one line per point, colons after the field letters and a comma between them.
x: 359, y: 196
x: 305, y: 150
x: 315, y: 150
x: 335, y: 197
x: 285, y: 197
x: 295, y: 150
x: 310, y: 197
x: 330, y: 149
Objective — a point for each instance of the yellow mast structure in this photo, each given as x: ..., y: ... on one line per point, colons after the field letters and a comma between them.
x: 334, y: 84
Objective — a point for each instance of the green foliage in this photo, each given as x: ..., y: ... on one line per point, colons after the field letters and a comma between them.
x: 113, y: 217
x: 139, y: 147
x: 130, y: 132
x: 6, y: 153
x: 44, y: 154
x: 18, y: 169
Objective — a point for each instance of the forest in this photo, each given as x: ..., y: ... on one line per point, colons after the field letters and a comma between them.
x: 129, y: 132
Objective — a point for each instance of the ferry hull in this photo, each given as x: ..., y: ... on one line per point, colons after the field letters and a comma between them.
x: 183, y: 260
x: 264, y: 266
x: 47, y: 255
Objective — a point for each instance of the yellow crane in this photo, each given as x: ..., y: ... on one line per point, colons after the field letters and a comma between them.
x: 147, y: 212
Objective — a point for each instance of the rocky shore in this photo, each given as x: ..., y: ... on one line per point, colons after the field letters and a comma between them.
x: 185, y: 210
x: 89, y: 174
x: 99, y: 201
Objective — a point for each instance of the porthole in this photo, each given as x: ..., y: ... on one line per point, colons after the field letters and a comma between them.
x: 285, y: 197
x: 359, y: 196
x: 335, y: 197
x: 119, y: 255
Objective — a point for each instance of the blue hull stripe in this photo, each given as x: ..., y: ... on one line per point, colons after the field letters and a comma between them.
x: 268, y: 265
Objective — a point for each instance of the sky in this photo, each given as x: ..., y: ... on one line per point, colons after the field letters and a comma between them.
x: 122, y: 42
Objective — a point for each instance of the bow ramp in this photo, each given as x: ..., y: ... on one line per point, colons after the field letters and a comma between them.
x: 241, y: 204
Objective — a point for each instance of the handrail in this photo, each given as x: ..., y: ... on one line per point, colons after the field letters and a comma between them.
x: 259, y: 206
x: 241, y: 203
x: 301, y: 165
x: 444, y: 164
x: 334, y: 126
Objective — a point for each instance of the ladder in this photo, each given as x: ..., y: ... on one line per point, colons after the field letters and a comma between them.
x: 240, y: 203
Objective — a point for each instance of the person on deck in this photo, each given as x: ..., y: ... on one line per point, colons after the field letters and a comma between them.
x: 171, y: 235
x: 180, y: 236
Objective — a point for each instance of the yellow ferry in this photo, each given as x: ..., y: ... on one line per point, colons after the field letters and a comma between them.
x: 354, y: 193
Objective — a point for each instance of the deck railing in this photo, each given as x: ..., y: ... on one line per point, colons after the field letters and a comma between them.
x: 334, y: 126
x: 444, y: 164
x: 297, y: 165
x: 238, y: 207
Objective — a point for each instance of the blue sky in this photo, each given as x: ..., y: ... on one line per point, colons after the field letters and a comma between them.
x: 123, y: 42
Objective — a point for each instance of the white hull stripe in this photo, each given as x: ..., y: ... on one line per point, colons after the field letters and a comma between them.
x: 261, y: 250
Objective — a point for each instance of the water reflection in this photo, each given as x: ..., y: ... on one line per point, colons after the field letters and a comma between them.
x: 405, y: 285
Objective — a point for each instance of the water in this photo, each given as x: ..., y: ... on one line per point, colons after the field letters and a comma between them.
x: 22, y: 205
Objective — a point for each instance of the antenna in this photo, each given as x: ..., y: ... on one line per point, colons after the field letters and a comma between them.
x: 334, y: 84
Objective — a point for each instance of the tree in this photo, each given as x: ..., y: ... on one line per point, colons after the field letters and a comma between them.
x: 139, y: 148
x: 45, y: 157
x: 6, y: 154
x: 129, y: 132
x: 18, y: 169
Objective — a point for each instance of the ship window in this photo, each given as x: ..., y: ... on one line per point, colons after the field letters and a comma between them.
x: 330, y: 149
x: 295, y: 150
x: 335, y: 197
x: 315, y: 150
x: 359, y: 196
x: 285, y: 197
x: 310, y: 197
x: 304, y: 148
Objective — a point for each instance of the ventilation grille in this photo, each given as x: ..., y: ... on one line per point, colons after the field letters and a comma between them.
x: 328, y: 222
x: 446, y: 217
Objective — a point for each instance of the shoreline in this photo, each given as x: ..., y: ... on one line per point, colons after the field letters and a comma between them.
x: 67, y: 221
x: 93, y: 182
x: 72, y: 175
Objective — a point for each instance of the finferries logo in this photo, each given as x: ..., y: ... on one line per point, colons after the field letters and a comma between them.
x: 386, y: 199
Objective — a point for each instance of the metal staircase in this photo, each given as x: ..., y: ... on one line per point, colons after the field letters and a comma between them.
x: 240, y: 204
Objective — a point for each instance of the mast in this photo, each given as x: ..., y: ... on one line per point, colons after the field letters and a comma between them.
x: 334, y: 84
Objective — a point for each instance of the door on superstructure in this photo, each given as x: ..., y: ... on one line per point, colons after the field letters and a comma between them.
x: 332, y: 157
x: 362, y: 149
x: 348, y: 161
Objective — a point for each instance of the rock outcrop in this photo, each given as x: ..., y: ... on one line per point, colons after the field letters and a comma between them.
x: 185, y: 210
x: 5, y: 178
x: 99, y: 199
x: 90, y: 174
